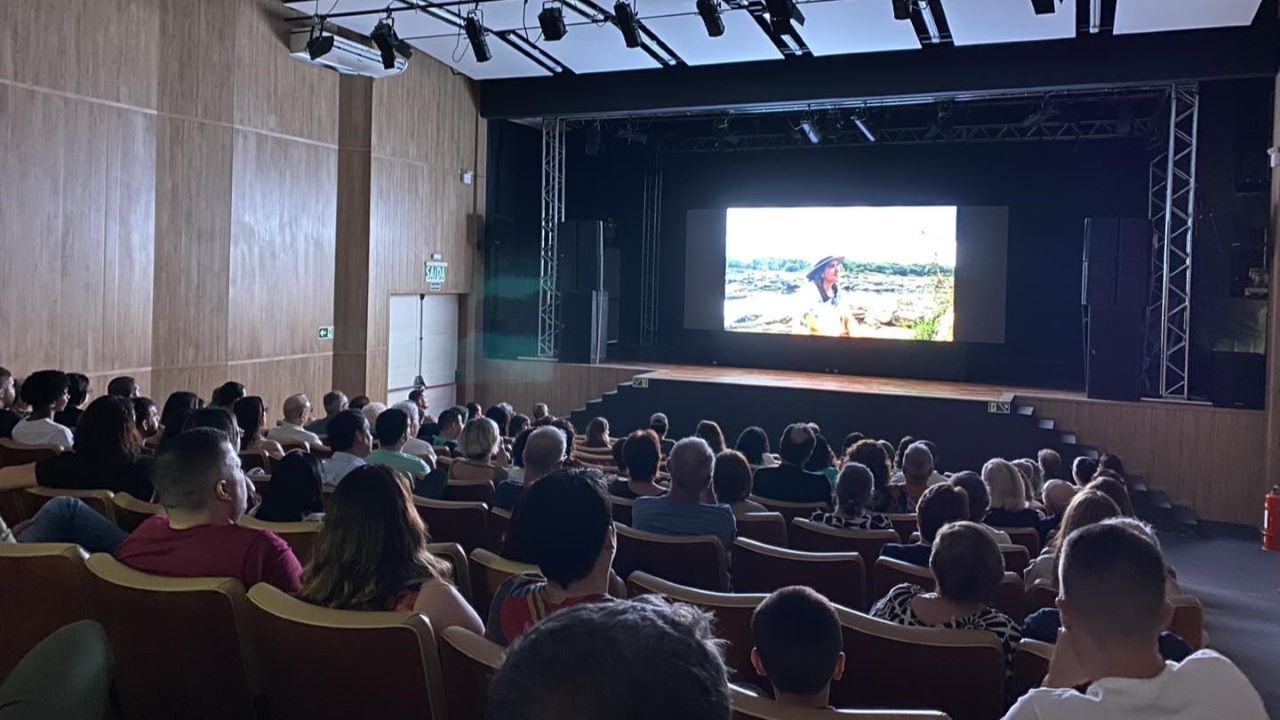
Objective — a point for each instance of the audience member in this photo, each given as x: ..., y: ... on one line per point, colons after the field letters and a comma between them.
x: 1050, y: 463
x: 853, y: 495
x: 940, y: 505
x: 541, y: 415
x: 448, y: 428
x: 1113, y: 607
x: 619, y: 462
x: 566, y: 528
x: 501, y: 416
x: 917, y: 471
x: 146, y: 418
x: 1008, y: 492
x: 1082, y: 470
x: 659, y: 425
x: 177, y: 408
x: 297, y: 413
x: 78, y: 390
x: 67, y: 520
x: 799, y: 646
x: 543, y: 454
x: 849, y: 441
x: 392, y: 429
x: 482, y: 461
x: 555, y: 672
x: 641, y: 455
x: 334, y: 403
x: 597, y: 434
x: 967, y: 568
x: 372, y: 555
x: 294, y: 493
x: 217, y: 418
x: 937, y: 478
x: 349, y: 437
x: 979, y: 502
x: 473, y: 410
x: 226, y: 394
x: 371, y: 411
x: 8, y: 393
x: 418, y: 396
x: 872, y: 455
x: 204, y: 494
x: 689, y: 508
x: 753, y: 443
x: 1114, y: 489
x: 570, y: 432
x: 732, y: 482
x: 124, y: 386
x: 889, y: 453
x: 789, y: 481
x: 1089, y: 507
x: 413, y: 445
x: 1057, y: 496
x: 821, y: 460
x: 45, y: 391
x: 519, y: 423
x: 710, y: 431
x: 358, y: 402
x: 106, y: 455
x: 251, y: 417
x: 1032, y: 477
x: 1111, y: 461
x: 903, y: 444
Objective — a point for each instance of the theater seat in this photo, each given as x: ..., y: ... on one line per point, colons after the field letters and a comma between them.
x: 301, y: 536
x: 466, y: 523
x: 13, y: 453
x: 1042, y: 595
x: 791, y: 510
x: 769, y: 528
x: 468, y: 662
x: 488, y: 572
x: 14, y: 480
x: 323, y: 663
x: 904, y: 524
x: 156, y: 624
x: 732, y: 612
x: 959, y: 672
x: 453, y: 554
x: 1028, y: 538
x: 251, y: 459
x: 499, y: 521
x: 99, y: 500
x: 621, y: 509
x: 1010, y: 595
x: 43, y: 586
x: 1188, y: 620
x: 817, y: 537
x: 761, y: 568
x: 750, y: 706
x: 1030, y: 665
x: 130, y: 512
x: 693, y: 560
x: 469, y: 492
x: 1016, y: 558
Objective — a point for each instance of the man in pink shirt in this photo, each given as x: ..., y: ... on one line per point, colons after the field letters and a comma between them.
x: 198, y: 480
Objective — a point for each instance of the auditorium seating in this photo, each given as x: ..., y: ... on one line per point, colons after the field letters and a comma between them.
x: 154, y: 623
x: 14, y: 479
x: 1016, y: 558
x: 468, y: 662
x: 130, y: 512
x: 453, y: 554
x: 499, y: 521
x: 621, y: 509
x: 254, y: 459
x: 100, y: 500
x: 43, y: 586
x: 1010, y: 596
x: 319, y: 662
x: 769, y: 528
x: 1030, y: 665
x: 791, y: 510
x: 905, y: 524
x: 466, y: 523
x: 1028, y: 538
x: 488, y: 572
x: 301, y: 536
x: 817, y: 537
x: 761, y: 568
x: 1042, y: 595
x: 12, y: 453
x: 748, y: 705
x: 694, y: 560
x: 469, y: 492
x: 1188, y: 620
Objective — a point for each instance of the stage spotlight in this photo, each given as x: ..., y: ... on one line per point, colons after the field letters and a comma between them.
x: 782, y: 15
x: 860, y: 121
x: 319, y: 45
x: 475, y: 36
x: 901, y: 9
x: 811, y: 131
x: 389, y: 43
x: 1044, y: 7
x: 710, y: 12
x: 625, y: 17
x: 551, y: 19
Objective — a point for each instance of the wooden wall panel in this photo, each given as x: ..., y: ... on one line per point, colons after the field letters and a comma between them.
x: 277, y: 378
x: 563, y: 387
x: 1209, y: 458
x: 197, y: 58
x: 426, y: 115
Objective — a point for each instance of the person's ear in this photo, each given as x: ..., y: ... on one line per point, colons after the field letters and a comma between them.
x: 1064, y: 612
x: 838, y: 672
x: 223, y: 489
x: 759, y: 665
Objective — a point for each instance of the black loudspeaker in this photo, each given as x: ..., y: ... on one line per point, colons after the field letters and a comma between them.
x: 1117, y: 262
x: 1115, y: 353
x: 583, y: 326
x: 580, y: 257
x: 1238, y: 379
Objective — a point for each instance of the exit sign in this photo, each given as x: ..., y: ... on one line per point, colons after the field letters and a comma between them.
x: 999, y: 408
x: 325, y: 332
x: 436, y: 273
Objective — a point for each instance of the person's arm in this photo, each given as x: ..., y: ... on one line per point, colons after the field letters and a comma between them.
x: 444, y: 607
x: 273, y: 562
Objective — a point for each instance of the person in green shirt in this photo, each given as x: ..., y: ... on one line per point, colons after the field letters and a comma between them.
x: 392, y: 429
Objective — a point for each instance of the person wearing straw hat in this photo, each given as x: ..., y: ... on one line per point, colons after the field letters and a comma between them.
x: 826, y: 313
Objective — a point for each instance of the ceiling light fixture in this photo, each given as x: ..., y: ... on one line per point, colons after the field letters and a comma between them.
x: 625, y: 18
x: 811, y: 131
x: 860, y: 121
x: 389, y: 43
x: 475, y: 35
x: 551, y: 19
x: 710, y: 12
x: 901, y: 9
x: 782, y: 15
x: 319, y: 44
x: 1044, y: 7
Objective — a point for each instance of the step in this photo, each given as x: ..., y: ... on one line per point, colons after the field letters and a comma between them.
x: 1046, y: 423
x: 1027, y: 410
x: 1068, y: 439
x: 1183, y: 519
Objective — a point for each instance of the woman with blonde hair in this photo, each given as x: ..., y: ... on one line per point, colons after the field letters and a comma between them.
x: 480, y: 446
x: 1008, y: 490
x: 372, y: 554
x: 1087, y: 508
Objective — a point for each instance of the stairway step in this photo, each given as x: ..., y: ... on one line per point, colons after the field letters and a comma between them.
x: 1027, y: 410
x: 1046, y: 423
x: 1068, y: 439
x: 1183, y: 519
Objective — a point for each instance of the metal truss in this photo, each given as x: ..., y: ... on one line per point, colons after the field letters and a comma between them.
x: 1173, y: 214
x: 650, y: 247
x: 994, y: 132
x: 552, y: 216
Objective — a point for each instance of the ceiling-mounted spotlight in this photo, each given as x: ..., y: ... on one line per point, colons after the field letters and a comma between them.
x: 625, y: 17
x: 782, y: 15
x: 389, y: 43
x: 475, y: 35
x: 1044, y: 7
x: 710, y: 12
x: 551, y: 19
x: 319, y: 44
x: 860, y: 121
x: 901, y: 9
x: 809, y: 128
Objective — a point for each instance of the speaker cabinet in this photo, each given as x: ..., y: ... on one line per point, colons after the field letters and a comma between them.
x: 1238, y: 379
x: 1117, y: 262
x: 584, y: 326
x: 580, y: 257
x: 1115, y: 353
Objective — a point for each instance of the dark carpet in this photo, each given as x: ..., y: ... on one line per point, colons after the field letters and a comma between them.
x: 1239, y: 584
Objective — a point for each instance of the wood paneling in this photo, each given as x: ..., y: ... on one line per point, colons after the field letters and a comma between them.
x: 426, y: 115
x: 563, y: 387
x: 1272, y: 445
x: 277, y: 378
x: 197, y: 58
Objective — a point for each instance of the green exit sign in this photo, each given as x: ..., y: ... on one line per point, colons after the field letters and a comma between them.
x: 999, y: 408
x: 436, y: 273
x: 325, y: 332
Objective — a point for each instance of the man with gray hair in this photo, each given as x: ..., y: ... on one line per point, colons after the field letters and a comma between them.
x: 1057, y: 496
x: 917, y: 468
x: 690, y: 508
x: 543, y: 455
x: 297, y: 413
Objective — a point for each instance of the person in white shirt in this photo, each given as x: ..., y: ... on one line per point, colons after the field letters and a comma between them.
x: 297, y: 412
x: 349, y: 436
x: 47, y: 392
x: 1113, y: 603
x: 414, y: 446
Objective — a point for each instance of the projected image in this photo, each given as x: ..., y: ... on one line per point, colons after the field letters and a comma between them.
x: 877, y: 272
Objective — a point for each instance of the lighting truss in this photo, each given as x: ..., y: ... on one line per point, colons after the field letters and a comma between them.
x: 552, y: 216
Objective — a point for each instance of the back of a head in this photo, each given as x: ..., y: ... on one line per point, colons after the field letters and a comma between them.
x: 544, y: 451
x: 709, y: 430
x: 934, y: 453
x: 797, y: 634
x: 1057, y: 495
x: 975, y: 491
x: 939, y: 505
x: 479, y: 439
x: 553, y: 671
x: 1050, y: 464
x: 177, y: 408
x: 186, y: 469
x: 659, y: 424
x: 371, y: 412
x: 248, y: 411
x: 518, y: 424
x: 217, y: 418
x: 849, y: 441
x: 642, y: 453
x: 106, y: 433
x: 796, y: 444
x: 500, y: 417
x: 691, y: 463
x: 540, y: 411
x: 344, y: 428
x: 1112, y: 584
x: 1115, y: 490
x: 449, y: 416
x: 1005, y: 486
x: 473, y: 410
x: 410, y: 411
x: 77, y: 389
x: 295, y: 489
x: 753, y: 443
x: 966, y: 563
x: 597, y: 432
x: 1031, y: 474
x: 917, y: 463
x: 123, y: 386
x: 1111, y: 461
x: 1088, y: 507
x: 391, y: 426
x: 731, y: 477
x: 358, y: 402
x: 874, y: 457
x: 518, y: 446
x: 566, y: 517
x: 334, y: 402
x: 1082, y: 470
x: 820, y: 459
x: 854, y: 486
x: 228, y: 393
x: 903, y: 444
x: 565, y: 426
x: 295, y: 408
x: 44, y: 388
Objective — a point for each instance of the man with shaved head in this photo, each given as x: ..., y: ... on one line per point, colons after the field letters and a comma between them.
x: 790, y: 481
x: 1057, y: 496
x: 297, y: 412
